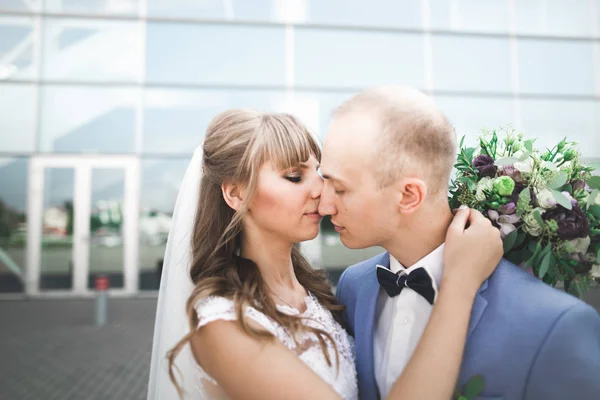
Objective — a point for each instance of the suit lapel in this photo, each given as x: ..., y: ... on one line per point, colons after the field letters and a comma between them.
x: 479, y: 306
x: 366, y: 311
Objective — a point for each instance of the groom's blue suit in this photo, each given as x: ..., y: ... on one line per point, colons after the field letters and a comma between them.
x: 528, y: 340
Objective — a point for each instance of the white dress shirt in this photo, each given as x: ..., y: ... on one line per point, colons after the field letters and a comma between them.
x: 401, y: 320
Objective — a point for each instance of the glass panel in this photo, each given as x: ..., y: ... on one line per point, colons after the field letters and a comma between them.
x: 175, y: 120
x: 106, y: 222
x: 215, y: 54
x: 469, y: 15
x: 110, y: 7
x: 397, y: 14
x: 470, y: 115
x: 262, y: 10
x: 17, y: 48
x: 92, y: 50
x: 357, y: 58
x: 88, y: 119
x: 159, y: 187
x: 552, y: 120
x: 315, y: 109
x: 13, y: 223
x: 553, y: 17
x: 556, y: 67
x: 56, y: 262
x: 471, y: 64
x: 17, y: 124
x: 21, y: 5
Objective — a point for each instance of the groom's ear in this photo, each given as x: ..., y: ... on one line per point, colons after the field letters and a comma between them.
x: 413, y: 192
x: 232, y: 195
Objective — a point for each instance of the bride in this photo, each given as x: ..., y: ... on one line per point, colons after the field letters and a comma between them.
x: 242, y: 315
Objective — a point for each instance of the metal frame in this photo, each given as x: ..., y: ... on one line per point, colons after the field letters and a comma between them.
x: 82, y: 165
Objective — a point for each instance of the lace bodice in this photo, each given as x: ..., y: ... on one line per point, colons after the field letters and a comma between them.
x: 218, y: 308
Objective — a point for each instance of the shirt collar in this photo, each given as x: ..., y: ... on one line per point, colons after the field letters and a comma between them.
x: 432, y: 262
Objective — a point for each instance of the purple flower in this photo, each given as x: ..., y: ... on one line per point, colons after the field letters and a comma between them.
x: 485, y: 166
x: 505, y: 222
x: 508, y: 208
x: 580, y: 185
x: 510, y: 170
x: 572, y: 224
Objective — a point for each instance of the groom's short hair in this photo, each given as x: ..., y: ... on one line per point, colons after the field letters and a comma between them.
x: 414, y: 134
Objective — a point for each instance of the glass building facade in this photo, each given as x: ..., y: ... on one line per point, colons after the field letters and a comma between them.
x: 102, y: 103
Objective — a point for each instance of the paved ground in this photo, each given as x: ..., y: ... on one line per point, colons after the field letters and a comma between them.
x: 51, y: 350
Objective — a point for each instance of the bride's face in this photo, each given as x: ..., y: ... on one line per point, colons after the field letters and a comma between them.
x: 285, y: 204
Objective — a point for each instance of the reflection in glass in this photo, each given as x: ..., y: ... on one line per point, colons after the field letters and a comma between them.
x: 556, y: 67
x: 553, y: 18
x: 56, y: 261
x: 175, y: 121
x: 159, y: 187
x: 470, y: 115
x: 215, y: 54
x: 88, y: 119
x: 110, y: 7
x: 17, y: 123
x: 357, y: 58
x: 551, y: 120
x: 106, y: 223
x: 13, y: 223
x: 17, y: 47
x: 469, y: 15
x: 315, y: 109
x: 471, y: 64
x: 21, y: 5
x: 385, y: 13
x: 86, y: 50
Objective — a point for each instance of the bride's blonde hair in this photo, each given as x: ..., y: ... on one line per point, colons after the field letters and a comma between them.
x: 237, y: 144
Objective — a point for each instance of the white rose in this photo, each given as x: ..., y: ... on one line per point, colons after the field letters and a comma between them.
x: 525, y: 167
x: 595, y: 272
x: 531, y: 225
x: 580, y: 245
x: 545, y: 198
x: 484, y: 184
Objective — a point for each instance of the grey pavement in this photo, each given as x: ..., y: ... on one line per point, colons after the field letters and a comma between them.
x: 50, y: 349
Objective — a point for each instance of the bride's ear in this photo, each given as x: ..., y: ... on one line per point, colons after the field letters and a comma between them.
x: 232, y: 195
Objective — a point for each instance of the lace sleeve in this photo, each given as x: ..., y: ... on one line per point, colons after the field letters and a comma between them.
x: 215, y: 308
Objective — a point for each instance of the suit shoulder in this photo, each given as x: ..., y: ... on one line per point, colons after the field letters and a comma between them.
x: 516, y: 286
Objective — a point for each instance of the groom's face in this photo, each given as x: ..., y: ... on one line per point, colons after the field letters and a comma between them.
x: 363, y: 214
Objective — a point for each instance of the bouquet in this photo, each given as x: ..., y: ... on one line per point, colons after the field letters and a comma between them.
x: 545, y: 203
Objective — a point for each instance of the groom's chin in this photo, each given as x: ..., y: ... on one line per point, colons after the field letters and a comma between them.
x: 353, y: 244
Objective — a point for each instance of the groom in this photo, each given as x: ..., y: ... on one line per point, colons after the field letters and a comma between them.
x: 387, y: 158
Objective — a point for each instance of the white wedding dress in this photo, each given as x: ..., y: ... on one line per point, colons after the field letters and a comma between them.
x: 344, y: 382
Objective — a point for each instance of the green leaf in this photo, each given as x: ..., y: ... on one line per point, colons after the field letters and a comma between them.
x: 509, y: 241
x: 505, y: 161
x: 598, y: 257
x: 524, y: 196
x: 520, y: 239
x: 545, y: 265
x: 594, y: 182
x: 559, y: 180
x: 474, y: 387
x: 529, y: 145
x: 595, y: 211
x: 462, y: 141
x: 562, y: 200
x: 538, y: 217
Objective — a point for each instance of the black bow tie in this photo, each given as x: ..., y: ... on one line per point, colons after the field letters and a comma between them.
x: 418, y: 280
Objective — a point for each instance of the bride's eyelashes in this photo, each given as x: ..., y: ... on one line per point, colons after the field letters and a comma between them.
x: 294, y: 178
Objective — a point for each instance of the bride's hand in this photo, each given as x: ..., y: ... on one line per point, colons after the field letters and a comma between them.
x: 471, y: 254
